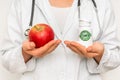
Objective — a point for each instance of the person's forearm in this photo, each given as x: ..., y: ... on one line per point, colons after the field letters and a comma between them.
x: 26, y: 57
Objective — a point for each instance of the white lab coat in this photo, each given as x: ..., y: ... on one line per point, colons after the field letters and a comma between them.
x: 61, y: 64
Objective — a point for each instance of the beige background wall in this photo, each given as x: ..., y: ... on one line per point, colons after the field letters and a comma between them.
x: 4, y: 8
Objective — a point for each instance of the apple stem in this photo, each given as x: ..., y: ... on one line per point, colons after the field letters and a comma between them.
x: 38, y: 28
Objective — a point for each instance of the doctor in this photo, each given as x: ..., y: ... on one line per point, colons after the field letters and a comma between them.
x: 63, y: 58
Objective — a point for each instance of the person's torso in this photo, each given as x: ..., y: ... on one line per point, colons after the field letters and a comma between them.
x: 61, y: 64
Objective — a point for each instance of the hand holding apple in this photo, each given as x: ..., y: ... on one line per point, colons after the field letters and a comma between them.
x: 29, y: 50
x: 40, y: 42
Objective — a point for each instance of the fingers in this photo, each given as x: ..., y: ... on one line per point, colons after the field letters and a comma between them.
x: 97, y: 47
x: 91, y: 55
x: 97, y: 50
x: 51, y: 45
x: 67, y: 43
x: 76, y: 47
x: 71, y: 47
x: 89, y: 49
x: 92, y: 49
x: 54, y: 46
x: 44, y: 50
x: 27, y: 45
x: 89, y: 52
x: 79, y: 47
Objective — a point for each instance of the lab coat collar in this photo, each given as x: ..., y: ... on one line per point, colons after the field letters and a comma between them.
x: 70, y: 18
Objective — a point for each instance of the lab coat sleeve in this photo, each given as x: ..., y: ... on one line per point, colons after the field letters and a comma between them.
x: 11, y: 45
x: 111, y: 56
x: 13, y: 61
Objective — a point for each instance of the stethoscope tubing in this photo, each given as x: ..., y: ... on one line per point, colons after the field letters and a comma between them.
x: 31, y: 18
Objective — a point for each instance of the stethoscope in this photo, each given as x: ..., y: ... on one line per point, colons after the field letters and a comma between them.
x: 79, y: 3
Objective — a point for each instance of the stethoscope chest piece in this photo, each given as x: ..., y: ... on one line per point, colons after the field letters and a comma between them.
x: 26, y: 33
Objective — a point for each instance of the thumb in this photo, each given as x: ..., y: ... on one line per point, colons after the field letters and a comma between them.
x: 28, y: 45
x: 92, y: 49
x: 32, y: 45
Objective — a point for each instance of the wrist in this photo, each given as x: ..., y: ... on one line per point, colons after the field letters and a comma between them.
x: 26, y: 56
x: 97, y: 59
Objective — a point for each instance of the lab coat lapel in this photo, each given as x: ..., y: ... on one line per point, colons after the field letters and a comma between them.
x: 44, y: 6
x: 70, y: 18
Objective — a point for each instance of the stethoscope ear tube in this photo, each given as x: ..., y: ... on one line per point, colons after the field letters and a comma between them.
x: 31, y: 18
x: 32, y: 13
x: 94, y: 3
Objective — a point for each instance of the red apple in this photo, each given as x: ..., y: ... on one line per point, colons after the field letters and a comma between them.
x: 41, y: 34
